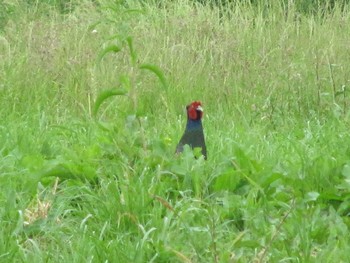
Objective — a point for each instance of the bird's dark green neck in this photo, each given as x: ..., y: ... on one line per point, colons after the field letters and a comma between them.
x: 193, y: 124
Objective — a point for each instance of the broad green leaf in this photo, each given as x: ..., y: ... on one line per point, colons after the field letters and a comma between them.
x: 312, y: 196
x: 157, y: 71
x: 105, y: 95
x: 32, y: 162
x: 112, y: 48
x: 227, y: 180
x: 328, y: 196
x: 125, y: 82
x: 346, y: 171
x: 266, y: 181
x: 132, y: 50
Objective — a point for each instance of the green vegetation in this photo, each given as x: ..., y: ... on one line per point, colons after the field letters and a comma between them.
x: 92, y: 106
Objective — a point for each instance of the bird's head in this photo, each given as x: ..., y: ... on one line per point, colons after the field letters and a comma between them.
x: 195, y: 111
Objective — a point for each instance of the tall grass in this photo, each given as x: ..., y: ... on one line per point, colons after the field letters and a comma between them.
x: 92, y: 107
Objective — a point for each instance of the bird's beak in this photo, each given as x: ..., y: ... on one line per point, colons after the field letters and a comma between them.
x: 200, y: 108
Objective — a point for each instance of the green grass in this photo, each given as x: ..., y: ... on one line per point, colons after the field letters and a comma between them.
x: 92, y: 107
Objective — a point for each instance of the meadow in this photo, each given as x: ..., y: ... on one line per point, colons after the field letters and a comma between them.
x: 92, y: 98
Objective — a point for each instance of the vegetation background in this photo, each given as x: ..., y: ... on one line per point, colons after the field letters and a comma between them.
x: 92, y: 98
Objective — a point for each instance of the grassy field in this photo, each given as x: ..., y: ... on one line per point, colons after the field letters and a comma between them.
x: 92, y: 106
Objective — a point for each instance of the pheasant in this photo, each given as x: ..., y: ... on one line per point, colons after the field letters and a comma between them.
x: 193, y: 135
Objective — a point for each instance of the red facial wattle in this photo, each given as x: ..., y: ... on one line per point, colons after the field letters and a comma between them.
x: 195, y: 111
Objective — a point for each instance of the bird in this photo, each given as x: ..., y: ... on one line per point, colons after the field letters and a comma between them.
x: 193, y: 135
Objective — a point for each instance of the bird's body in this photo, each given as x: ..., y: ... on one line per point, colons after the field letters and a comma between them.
x: 193, y: 135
